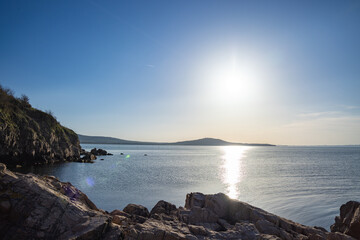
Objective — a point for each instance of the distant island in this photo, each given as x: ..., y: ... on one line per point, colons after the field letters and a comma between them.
x: 198, y: 142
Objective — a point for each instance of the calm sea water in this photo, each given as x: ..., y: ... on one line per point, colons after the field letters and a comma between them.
x: 304, y: 184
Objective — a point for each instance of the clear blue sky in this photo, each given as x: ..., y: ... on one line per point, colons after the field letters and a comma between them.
x: 283, y: 72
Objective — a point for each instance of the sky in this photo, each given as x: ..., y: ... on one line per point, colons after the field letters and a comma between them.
x: 280, y: 72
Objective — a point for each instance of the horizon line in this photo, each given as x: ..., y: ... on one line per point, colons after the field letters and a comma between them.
x: 177, y: 141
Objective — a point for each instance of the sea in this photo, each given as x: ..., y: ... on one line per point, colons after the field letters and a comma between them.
x: 304, y: 184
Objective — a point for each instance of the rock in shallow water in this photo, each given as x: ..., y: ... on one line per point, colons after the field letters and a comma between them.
x: 42, y: 207
x: 99, y: 152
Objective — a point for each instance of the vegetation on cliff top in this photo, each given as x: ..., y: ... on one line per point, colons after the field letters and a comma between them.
x: 30, y: 136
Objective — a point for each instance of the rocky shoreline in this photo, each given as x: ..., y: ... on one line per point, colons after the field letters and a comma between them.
x: 42, y: 207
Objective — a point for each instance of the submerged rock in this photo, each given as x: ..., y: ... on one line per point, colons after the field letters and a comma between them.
x: 42, y: 207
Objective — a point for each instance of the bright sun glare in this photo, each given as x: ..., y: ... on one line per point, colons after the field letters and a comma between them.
x: 233, y: 169
x: 234, y: 82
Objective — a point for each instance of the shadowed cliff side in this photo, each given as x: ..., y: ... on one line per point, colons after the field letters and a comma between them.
x: 29, y: 136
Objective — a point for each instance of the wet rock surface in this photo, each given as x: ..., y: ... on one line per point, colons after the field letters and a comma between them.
x: 42, y: 207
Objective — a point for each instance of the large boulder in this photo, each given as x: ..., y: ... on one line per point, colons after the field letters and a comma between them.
x: 34, y: 207
x: 349, y: 220
x: 138, y: 210
x: 163, y: 207
x: 223, y: 218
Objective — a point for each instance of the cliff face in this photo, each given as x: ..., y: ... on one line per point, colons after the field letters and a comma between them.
x: 29, y: 136
x: 42, y: 207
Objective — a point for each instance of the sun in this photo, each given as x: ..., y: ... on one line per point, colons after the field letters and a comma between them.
x: 233, y: 83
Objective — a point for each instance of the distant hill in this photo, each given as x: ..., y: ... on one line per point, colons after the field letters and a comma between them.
x: 216, y: 142
x: 197, y: 142
x: 108, y: 140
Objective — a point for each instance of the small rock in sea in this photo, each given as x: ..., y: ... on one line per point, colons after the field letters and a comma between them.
x: 88, y: 157
x: 99, y: 152
x: 145, y: 154
x: 121, y: 153
x: 101, y: 159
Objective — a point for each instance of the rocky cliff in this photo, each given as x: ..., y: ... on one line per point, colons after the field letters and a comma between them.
x: 42, y: 207
x: 30, y: 136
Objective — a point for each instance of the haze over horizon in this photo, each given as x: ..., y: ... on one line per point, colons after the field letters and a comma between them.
x: 285, y: 73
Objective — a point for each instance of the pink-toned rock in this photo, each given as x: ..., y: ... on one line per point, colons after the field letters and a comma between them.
x: 35, y: 208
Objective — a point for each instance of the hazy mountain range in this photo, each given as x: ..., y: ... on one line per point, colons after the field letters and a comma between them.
x: 197, y: 142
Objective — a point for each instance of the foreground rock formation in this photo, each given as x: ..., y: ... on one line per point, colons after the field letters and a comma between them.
x: 37, y: 207
x: 349, y: 220
x: 29, y: 136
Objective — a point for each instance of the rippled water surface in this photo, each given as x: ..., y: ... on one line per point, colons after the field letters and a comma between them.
x: 304, y: 184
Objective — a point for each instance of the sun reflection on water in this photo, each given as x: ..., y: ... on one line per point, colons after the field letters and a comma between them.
x: 233, y: 169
